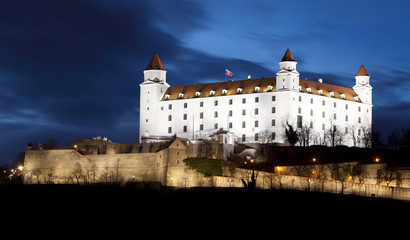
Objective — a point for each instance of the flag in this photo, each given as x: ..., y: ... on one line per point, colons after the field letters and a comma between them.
x: 228, y: 73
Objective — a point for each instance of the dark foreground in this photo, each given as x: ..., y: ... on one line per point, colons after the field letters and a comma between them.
x: 113, y: 198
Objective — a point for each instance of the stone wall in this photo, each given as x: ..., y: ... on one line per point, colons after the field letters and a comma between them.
x: 67, y: 165
x: 266, y: 180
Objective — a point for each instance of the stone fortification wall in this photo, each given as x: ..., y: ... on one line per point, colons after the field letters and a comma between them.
x: 266, y: 180
x: 352, y: 172
x: 68, y: 165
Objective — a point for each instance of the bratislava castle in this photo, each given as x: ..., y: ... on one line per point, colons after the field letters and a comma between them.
x: 253, y: 109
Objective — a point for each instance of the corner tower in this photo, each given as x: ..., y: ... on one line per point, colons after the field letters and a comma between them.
x: 362, y: 87
x: 287, y: 78
x: 151, y: 92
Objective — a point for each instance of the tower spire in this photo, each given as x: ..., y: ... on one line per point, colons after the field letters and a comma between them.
x: 288, y: 56
x: 362, y: 71
x: 155, y: 63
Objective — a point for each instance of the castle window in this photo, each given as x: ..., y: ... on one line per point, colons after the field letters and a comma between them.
x: 197, y: 94
x: 216, y: 114
x: 323, y: 102
x: 230, y: 101
x: 311, y: 112
x: 359, y: 120
x: 309, y: 90
x: 243, y: 137
x: 299, y: 121
x: 256, y: 137
x: 256, y: 99
x: 257, y: 88
x: 216, y: 126
x: 146, y: 120
x: 270, y: 87
x: 256, y: 111
x: 299, y: 110
x: 256, y: 123
x: 201, y: 104
x: 334, y: 116
x: 343, y: 95
x: 273, y: 122
x: 243, y: 112
x: 181, y: 95
x: 167, y: 96
x: 212, y: 92
x: 347, y: 118
x: 243, y: 124
x: 273, y: 98
x: 216, y: 103
x: 360, y: 109
x: 300, y: 98
x: 169, y: 129
x: 356, y: 98
x: 347, y: 106
x: 169, y: 106
x: 320, y: 92
x: 323, y: 114
x: 224, y: 91
x: 185, y: 116
x: 332, y: 94
x: 201, y: 127
x: 201, y: 115
x: 334, y: 104
x: 169, y: 117
x: 185, y: 105
x: 273, y: 135
x: 230, y: 113
x: 185, y: 128
x: 300, y: 87
x: 239, y: 90
x: 323, y: 127
x: 230, y: 124
x: 273, y: 109
x: 243, y: 100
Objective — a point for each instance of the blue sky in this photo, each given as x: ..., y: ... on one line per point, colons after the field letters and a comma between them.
x: 71, y: 69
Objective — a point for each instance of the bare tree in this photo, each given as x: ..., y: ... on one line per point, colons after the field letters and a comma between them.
x: 367, y: 137
x: 265, y: 140
x: 305, y: 134
x: 353, y: 132
x: 333, y: 134
x: 389, y: 173
x: 37, y: 172
x: 340, y: 172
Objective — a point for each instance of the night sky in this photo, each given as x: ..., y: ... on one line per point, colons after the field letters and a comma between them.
x: 71, y: 69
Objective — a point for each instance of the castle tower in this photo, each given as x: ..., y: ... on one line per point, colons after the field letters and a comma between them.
x: 151, y: 92
x: 287, y: 78
x: 362, y: 87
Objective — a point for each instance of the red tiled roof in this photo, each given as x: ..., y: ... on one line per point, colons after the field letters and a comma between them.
x: 249, y: 86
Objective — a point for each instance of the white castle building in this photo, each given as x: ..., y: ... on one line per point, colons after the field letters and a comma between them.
x: 255, y: 110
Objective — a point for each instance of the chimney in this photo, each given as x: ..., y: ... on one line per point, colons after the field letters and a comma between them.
x: 320, y: 80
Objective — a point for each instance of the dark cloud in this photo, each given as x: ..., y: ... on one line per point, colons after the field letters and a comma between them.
x: 71, y: 69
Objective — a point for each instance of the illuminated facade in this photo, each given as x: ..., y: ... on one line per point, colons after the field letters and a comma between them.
x: 255, y: 110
